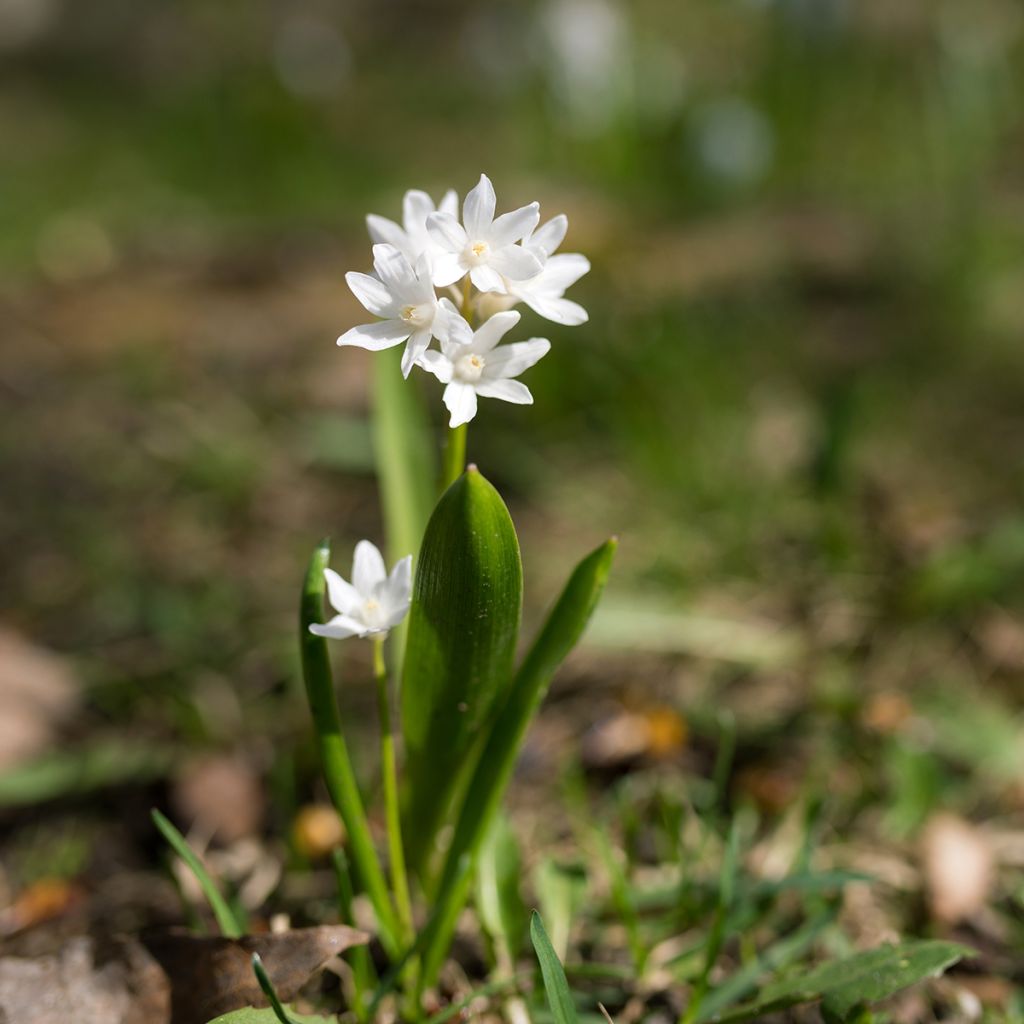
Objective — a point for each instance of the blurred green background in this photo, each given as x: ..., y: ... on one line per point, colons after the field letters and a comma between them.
x: 799, y: 399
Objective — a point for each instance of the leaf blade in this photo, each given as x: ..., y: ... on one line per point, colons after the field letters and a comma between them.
x: 555, y: 984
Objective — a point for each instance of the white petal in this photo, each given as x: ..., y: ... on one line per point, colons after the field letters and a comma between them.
x: 459, y: 331
x: 447, y: 232
x: 516, y: 262
x: 450, y: 203
x: 461, y: 402
x: 383, y: 230
x: 438, y: 364
x: 478, y: 209
x: 511, y: 227
x: 423, y: 290
x: 563, y: 270
x: 486, y: 279
x: 561, y: 311
x: 338, y: 628
x: 416, y: 207
x: 377, y: 336
x: 399, y: 588
x: 393, y: 268
x: 343, y: 596
x: 551, y: 235
x: 512, y: 360
x: 396, y: 613
x: 367, y: 568
x: 448, y: 269
x: 514, y: 391
x: 491, y: 331
x: 372, y: 294
x: 415, y: 347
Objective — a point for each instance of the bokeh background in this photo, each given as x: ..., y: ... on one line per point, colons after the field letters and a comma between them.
x: 799, y: 399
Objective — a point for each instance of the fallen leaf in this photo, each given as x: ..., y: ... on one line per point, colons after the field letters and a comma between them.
x: 959, y: 868
x: 223, y: 795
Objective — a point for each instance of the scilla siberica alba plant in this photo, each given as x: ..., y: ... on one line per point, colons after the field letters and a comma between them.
x: 442, y: 292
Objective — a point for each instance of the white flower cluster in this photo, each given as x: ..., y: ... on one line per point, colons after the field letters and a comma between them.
x: 488, y: 265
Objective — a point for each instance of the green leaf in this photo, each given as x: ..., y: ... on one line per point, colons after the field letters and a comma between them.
x: 561, y: 890
x: 251, y: 1015
x: 498, y: 899
x: 497, y: 757
x: 463, y: 626
x: 842, y: 985
x: 337, y: 766
x: 555, y: 985
x: 406, y: 461
x: 226, y: 920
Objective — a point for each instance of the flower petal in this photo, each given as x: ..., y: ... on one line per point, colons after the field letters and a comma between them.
x: 459, y: 331
x: 367, y: 568
x: 447, y: 232
x: 381, y: 229
x: 399, y: 586
x: 511, y: 227
x: 338, y: 628
x: 460, y: 400
x: 512, y: 360
x: 551, y: 235
x: 377, y: 336
x: 514, y: 391
x: 515, y: 262
x: 372, y: 294
x: 414, y: 348
x: 486, y: 279
x: 478, y: 209
x: 491, y: 331
x: 561, y: 311
x: 447, y: 269
x: 343, y: 596
x: 417, y: 206
x: 450, y: 203
x: 438, y: 364
x: 394, y: 269
x: 563, y: 270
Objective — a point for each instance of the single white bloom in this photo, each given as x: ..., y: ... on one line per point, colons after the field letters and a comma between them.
x: 403, y: 296
x: 482, y: 246
x: 480, y: 368
x: 412, y: 238
x: 544, y: 294
x: 373, y: 602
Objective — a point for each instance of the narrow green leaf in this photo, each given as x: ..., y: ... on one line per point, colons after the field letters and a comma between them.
x: 561, y: 890
x: 406, y: 461
x: 268, y: 990
x: 491, y: 774
x: 337, y: 766
x: 862, y: 978
x: 463, y: 625
x: 555, y: 985
x: 226, y: 920
x: 498, y: 899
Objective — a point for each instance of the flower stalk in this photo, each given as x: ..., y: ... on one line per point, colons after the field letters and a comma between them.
x: 454, y: 456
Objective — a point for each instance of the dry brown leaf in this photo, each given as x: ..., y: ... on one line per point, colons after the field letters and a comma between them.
x: 959, y: 868
x: 223, y: 794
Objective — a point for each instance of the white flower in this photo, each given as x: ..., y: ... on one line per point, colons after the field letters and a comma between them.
x: 404, y: 297
x: 373, y: 602
x: 544, y: 294
x: 480, y: 368
x: 481, y: 246
x: 412, y: 238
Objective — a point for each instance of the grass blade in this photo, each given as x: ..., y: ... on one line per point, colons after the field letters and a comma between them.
x: 226, y: 920
x: 555, y: 984
x: 337, y: 766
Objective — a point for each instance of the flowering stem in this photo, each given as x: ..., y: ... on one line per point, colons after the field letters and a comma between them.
x: 454, y: 459
x: 396, y: 854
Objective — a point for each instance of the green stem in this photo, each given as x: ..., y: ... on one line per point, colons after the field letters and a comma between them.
x: 454, y: 460
x: 337, y: 766
x: 399, y: 879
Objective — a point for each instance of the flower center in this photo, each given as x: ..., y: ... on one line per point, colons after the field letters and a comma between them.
x: 469, y: 368
x: 417, y: 316
x: 477, y: 252
x: 373, y: 614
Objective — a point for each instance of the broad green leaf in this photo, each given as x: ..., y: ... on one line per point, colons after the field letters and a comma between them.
x: 493, y: 769
x: 226, y: 920
x: 555, y: 985
x: 406, y: 461
x: 844, y: 984
x: 561, y: 890
x: 337, y: 766
x: 498, y: 899
x: 251, y: 1015
x: 463, y: 625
